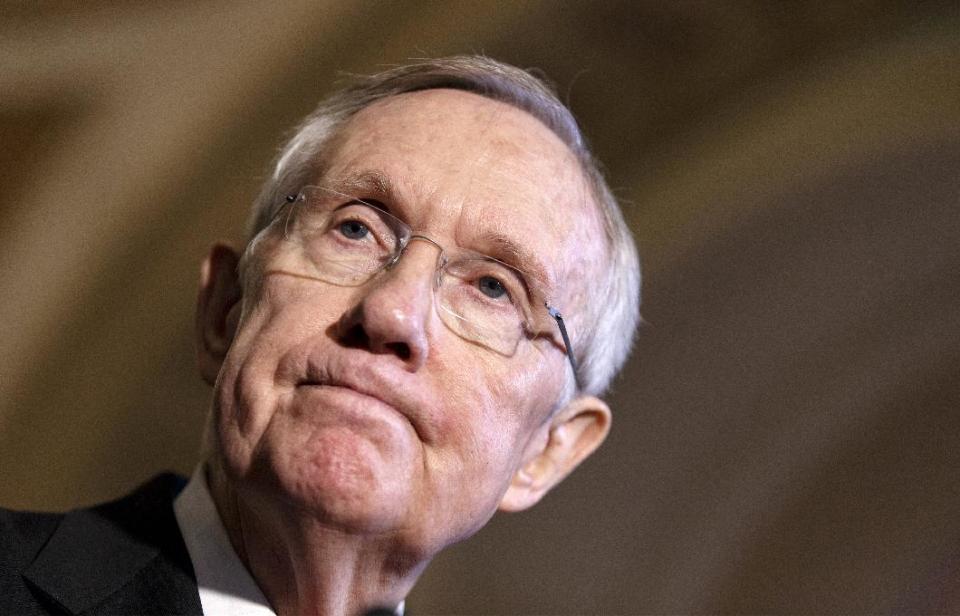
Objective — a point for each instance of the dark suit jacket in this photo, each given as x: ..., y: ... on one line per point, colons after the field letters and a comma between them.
x: 122, y: 557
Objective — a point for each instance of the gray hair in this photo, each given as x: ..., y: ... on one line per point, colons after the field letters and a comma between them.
x: 604, y: 330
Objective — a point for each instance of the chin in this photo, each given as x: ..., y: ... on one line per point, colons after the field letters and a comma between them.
x: 340, y: 478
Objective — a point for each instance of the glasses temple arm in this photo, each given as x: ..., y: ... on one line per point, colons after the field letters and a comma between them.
x: 566, y: 342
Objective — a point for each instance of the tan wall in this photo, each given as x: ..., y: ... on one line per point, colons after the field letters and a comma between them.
x: 786, y: 434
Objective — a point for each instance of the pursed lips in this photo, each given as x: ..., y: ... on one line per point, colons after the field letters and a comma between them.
x: 367, y: 382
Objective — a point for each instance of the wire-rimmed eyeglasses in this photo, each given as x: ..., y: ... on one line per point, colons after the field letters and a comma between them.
x: 347, y: 241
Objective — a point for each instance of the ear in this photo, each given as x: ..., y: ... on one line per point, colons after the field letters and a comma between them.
x: 218, y: 309
x: 573, y: 434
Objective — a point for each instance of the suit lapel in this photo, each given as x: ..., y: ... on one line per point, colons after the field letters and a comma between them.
x: 123, y: 557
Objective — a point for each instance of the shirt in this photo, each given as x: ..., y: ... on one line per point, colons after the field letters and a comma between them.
x: 226, y: 587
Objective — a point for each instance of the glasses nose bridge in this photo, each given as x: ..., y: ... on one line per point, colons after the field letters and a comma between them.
x: 441, y: 256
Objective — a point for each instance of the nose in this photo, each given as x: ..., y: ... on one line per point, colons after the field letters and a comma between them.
x: 394, y: 309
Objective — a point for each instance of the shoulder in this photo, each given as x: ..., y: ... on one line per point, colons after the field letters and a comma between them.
x: 85, y: 553
x: 145, y: 507
x: 22, y: 534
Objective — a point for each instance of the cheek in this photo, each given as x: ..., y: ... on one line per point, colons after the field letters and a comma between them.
x: 491, y: 411
x: 246, y: 393
x: 492, y: 408
x: 240, y: 406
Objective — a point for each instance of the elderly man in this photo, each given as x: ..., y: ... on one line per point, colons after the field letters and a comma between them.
x: 437, y: 287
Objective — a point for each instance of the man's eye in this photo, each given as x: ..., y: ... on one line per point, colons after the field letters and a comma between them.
x: 354, y: 229
x: 491, y: 287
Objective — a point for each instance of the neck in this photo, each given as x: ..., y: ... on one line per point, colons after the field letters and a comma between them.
x: 305, y: 567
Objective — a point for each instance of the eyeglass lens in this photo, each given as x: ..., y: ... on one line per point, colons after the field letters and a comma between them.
x: 348, y: 241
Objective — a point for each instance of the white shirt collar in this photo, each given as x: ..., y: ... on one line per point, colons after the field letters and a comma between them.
x: 226, y: 587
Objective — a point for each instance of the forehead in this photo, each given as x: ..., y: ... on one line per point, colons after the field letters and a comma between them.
x: 470, y: 170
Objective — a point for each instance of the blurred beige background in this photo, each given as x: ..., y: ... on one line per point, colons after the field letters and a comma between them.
x: 786, y: 435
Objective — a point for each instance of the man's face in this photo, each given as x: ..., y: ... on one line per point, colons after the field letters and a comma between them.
x: 357, y: 403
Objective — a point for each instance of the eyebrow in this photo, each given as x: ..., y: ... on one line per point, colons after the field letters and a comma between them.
x: 503, y: 247
x: 371, y: 182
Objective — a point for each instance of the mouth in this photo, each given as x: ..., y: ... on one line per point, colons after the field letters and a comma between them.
x: 377, y: 384
x: 361, y: 392
x: 329, y: 385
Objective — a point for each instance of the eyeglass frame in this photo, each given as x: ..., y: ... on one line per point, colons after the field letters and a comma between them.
x: 290, y: 199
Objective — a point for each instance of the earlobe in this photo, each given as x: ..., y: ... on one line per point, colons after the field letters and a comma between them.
x: 575, y: 432
x: 218, y: 309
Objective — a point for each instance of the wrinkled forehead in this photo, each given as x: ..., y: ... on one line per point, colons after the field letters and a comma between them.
x: 468, y: 170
